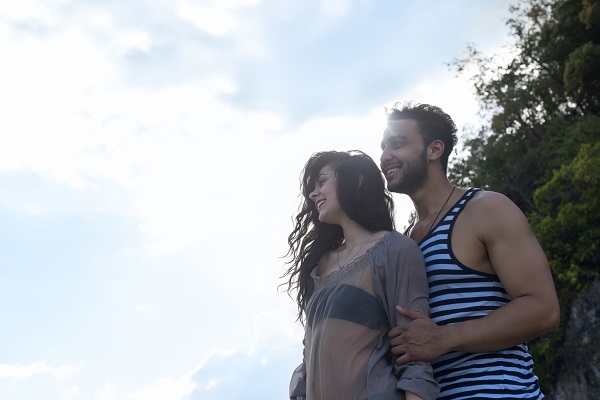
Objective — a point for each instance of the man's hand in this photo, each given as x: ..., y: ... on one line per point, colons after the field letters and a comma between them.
x: 418, y: 340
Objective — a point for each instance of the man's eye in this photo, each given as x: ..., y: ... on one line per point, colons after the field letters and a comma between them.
x: 394, y: 144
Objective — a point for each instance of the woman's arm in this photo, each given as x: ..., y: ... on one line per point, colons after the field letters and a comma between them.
x: 406, y: 283
x: 412, y: 396
x: 298, y: 383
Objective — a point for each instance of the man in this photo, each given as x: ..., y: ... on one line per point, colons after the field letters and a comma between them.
x: 490, y: 285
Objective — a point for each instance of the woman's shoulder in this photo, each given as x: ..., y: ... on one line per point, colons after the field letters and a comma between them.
x: 394, y: 241
x: 400, y: 239
x: 398, y: 249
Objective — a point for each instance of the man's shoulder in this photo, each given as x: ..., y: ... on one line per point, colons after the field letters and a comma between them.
x: 489, y: 210
x: 486, y: 201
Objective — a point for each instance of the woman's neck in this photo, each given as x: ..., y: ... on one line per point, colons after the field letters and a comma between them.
x: 355, y: 235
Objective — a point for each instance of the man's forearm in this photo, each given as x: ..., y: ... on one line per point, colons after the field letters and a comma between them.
x: 519, y: 321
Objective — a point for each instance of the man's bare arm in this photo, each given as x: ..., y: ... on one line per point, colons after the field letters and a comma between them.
x: 522, y: 267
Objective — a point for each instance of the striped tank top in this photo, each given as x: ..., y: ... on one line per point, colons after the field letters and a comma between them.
x: 458, y: 293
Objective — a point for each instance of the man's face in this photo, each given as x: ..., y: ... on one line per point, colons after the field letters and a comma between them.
x: 404, y: 157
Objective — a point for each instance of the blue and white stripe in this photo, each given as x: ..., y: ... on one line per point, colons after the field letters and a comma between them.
x: 458, y: 293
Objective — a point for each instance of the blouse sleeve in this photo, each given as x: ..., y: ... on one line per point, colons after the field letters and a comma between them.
x: 298, y: 383
x: 404, y: 283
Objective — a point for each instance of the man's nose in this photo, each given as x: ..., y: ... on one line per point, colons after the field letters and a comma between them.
x: 385, y: 155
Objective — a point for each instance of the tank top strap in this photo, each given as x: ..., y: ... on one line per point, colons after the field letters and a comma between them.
x: 454, y: 210
x: 462, y: 202
x: 447, y: 221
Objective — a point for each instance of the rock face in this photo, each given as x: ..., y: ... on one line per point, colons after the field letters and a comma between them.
x: 580, y: 374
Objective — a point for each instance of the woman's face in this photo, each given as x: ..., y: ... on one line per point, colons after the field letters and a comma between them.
x: 325, y: 196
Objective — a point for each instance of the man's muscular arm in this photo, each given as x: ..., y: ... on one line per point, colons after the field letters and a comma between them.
x: 521, y: 265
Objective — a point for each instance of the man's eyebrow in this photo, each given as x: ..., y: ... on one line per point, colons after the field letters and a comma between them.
x: 390, y: 136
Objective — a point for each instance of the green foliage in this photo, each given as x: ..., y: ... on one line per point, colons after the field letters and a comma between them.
x: 564, y: 137
x: 501, y: 163
x: 590, y: 15
x: 582, y: 77
x: 567, y: 225
x: 546, y: 357
x: 539, y: 143
x: 567, y: 222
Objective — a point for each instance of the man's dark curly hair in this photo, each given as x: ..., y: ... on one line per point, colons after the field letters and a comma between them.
x: 434, y: 124
x: 363, y: 197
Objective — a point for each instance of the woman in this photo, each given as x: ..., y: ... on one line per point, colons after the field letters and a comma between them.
x: 350, y: 269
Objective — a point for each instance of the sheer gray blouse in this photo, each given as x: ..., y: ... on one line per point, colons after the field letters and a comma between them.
x: 347, y: 351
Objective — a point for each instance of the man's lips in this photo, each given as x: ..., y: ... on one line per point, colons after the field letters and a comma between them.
x: 390, y: 171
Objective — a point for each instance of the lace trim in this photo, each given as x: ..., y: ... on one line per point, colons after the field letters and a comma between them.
x: 354, y: 265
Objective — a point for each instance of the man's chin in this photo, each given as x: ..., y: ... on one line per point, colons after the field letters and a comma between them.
x: 395, y: 187
x: 402, y: 187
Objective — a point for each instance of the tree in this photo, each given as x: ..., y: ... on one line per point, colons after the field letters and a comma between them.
x: 569, y: 207
x: 538, y: 144
x: 554, y: 72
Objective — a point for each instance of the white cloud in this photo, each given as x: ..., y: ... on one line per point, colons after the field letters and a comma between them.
x: 274, y: 334
x: 24, y: 10
x: 145, y: 309
x: 18, y: 372
x: 215, y: 18
x: 73, y: 390
x: 336, y: 7
x: 109, y: 390
x: 46, y: 87
x: 125, y: 114
x: 167, y: 389
x: 134, y: 41
x: 240, y: 375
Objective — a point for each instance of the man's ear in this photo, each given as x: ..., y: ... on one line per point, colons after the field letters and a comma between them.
x: 435, y: 149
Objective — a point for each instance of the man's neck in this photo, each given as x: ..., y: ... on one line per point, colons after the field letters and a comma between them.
x: 429, y: 199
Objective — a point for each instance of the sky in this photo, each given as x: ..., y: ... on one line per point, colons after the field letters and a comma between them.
x: 150, y: 155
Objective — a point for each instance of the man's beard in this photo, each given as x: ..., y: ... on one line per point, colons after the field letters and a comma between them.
x: 413, y: 176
